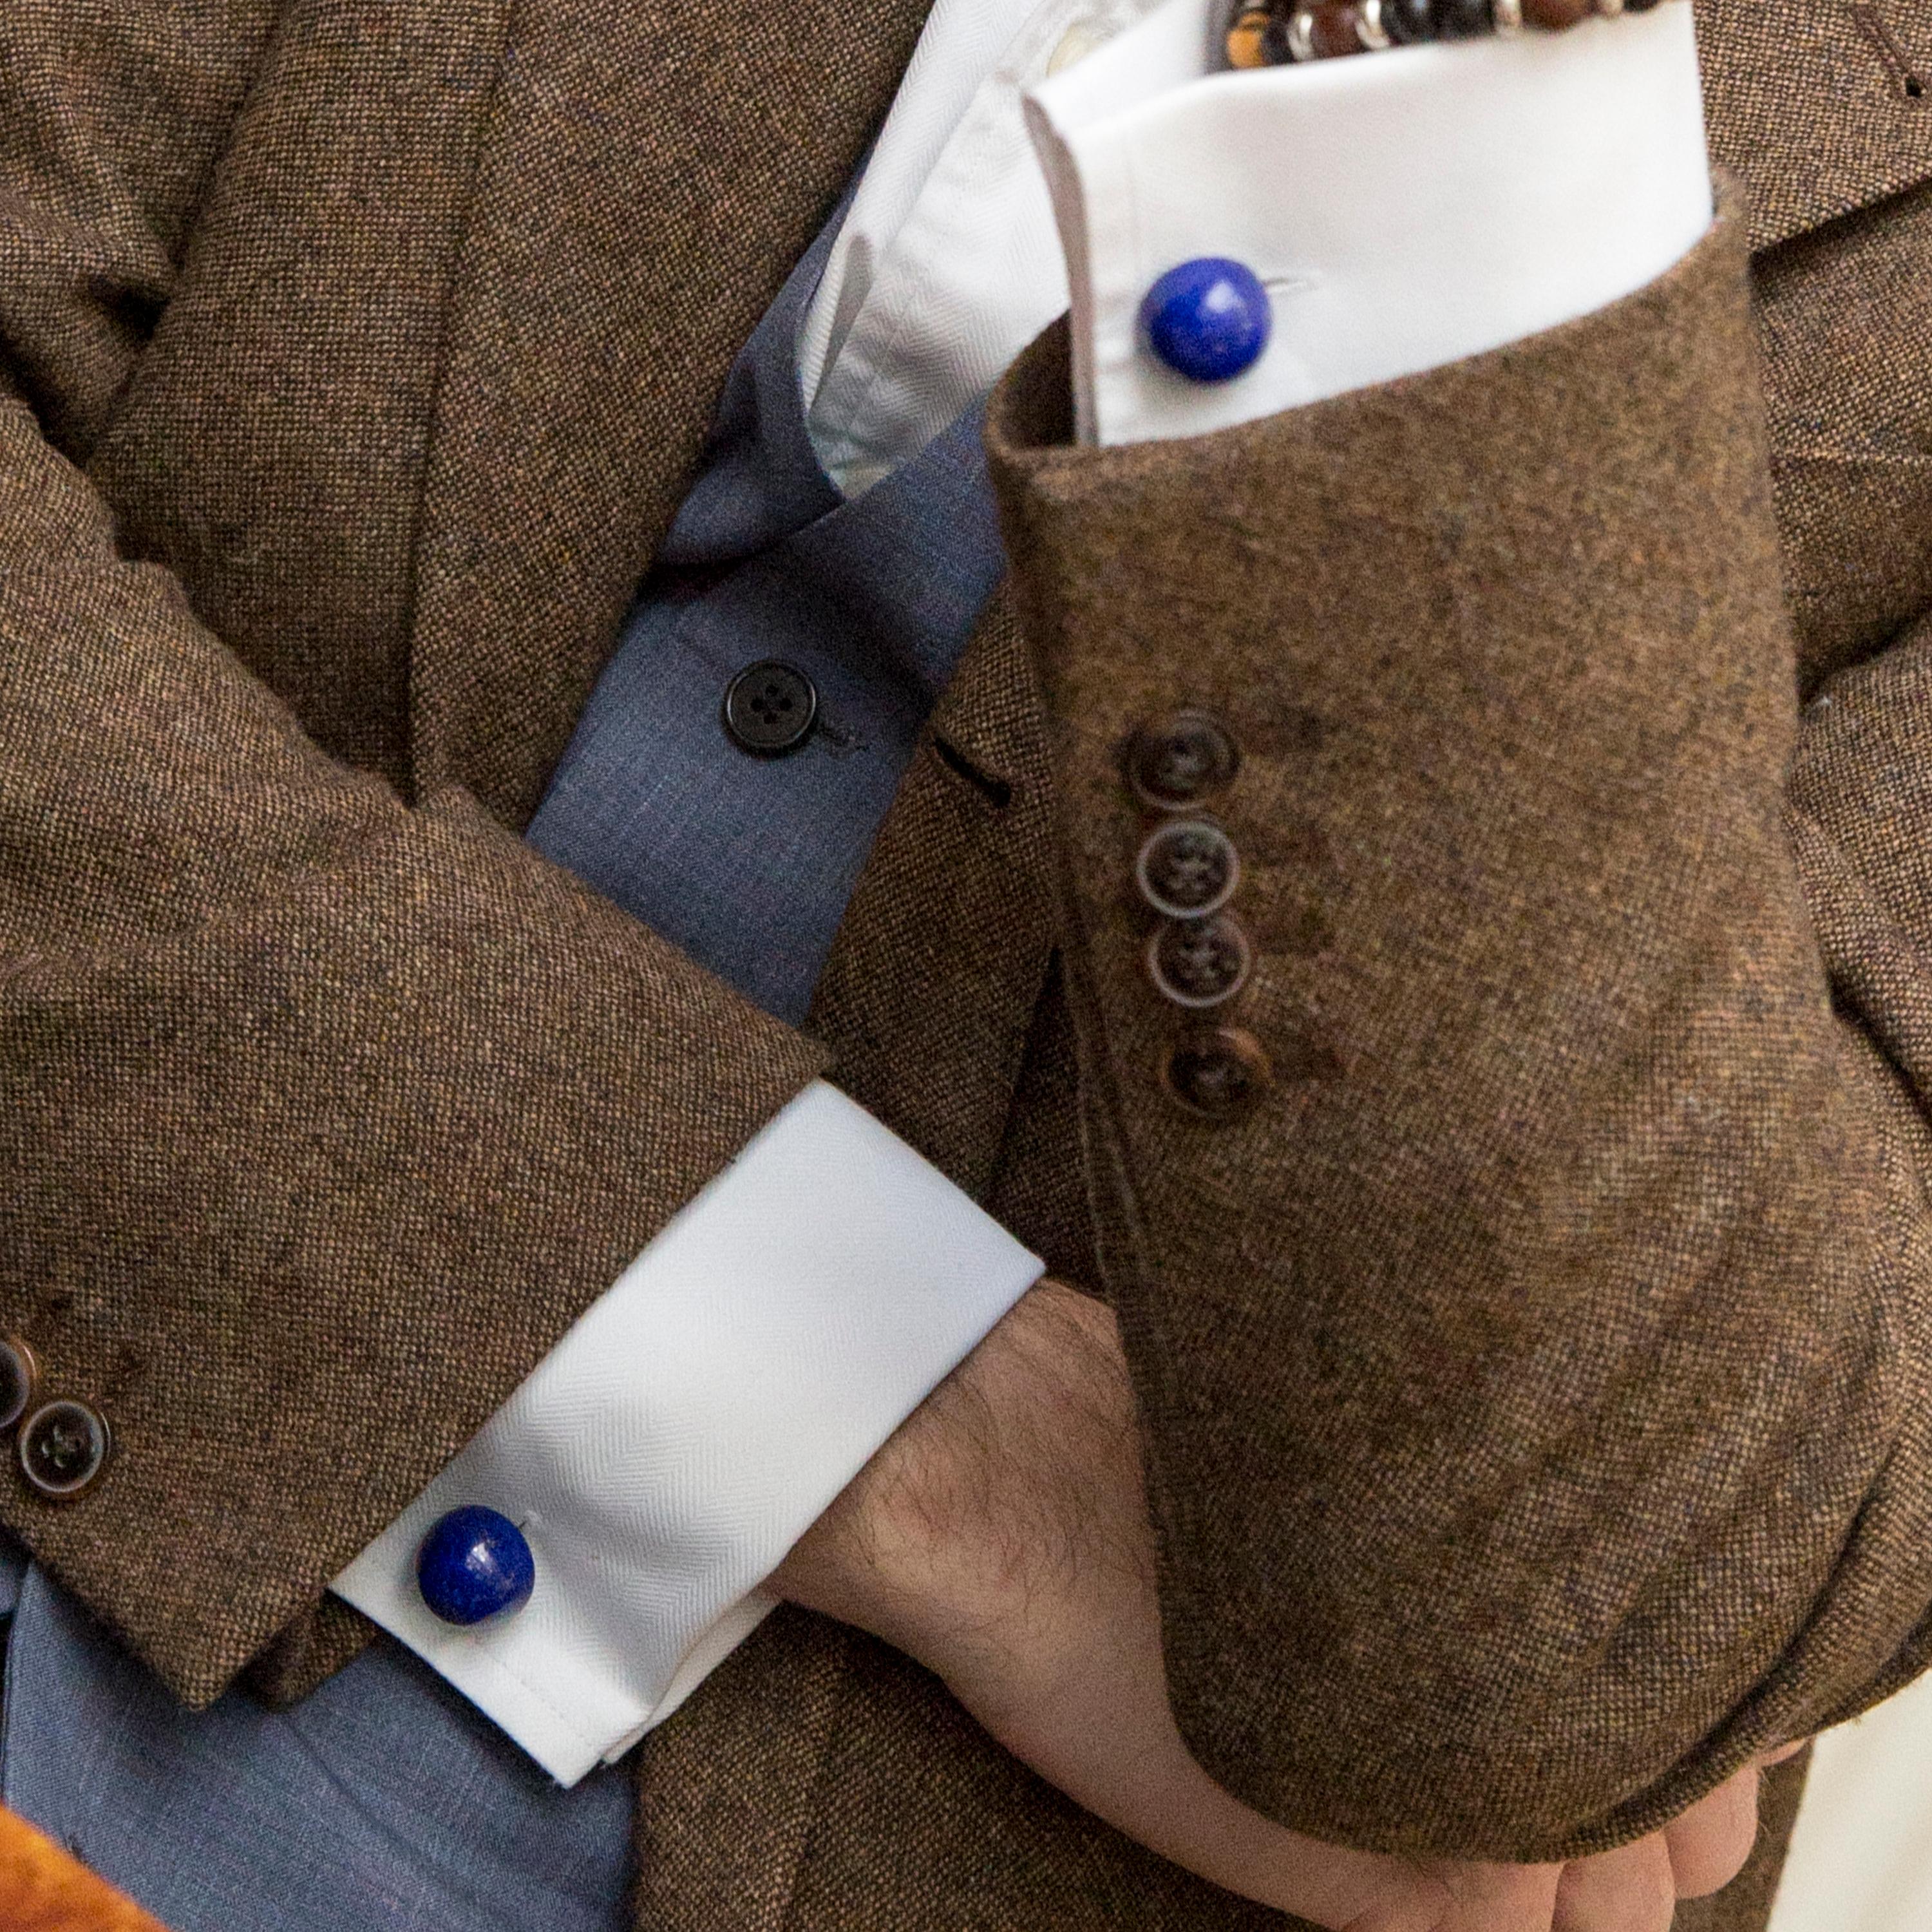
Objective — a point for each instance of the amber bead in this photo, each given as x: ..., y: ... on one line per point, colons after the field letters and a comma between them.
x: 1554, y: 15
x: 1247, y: 39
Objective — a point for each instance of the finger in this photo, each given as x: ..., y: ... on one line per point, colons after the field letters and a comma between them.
x: 1447, y: 1895
x: 1710, y: 1843
x: 1631, y: 1889
x: 1521, y: 1898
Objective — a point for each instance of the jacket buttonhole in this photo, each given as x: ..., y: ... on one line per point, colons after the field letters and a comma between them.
x: 995, y: 791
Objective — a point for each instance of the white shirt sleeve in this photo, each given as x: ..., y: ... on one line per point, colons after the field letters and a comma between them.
x: 665, y: 1456
x: 1404, y: 209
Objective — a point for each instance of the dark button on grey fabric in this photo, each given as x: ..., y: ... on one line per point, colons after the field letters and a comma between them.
x: 64, y: 1446
x: 1188, y: 868
x: 1218, y: 1073
x: 1181, y: 761
x: 770, y: 708
x: 19, y: 1376
x: 1200, y: 962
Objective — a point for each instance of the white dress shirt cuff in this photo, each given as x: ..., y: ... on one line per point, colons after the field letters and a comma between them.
x: 665, y: 1456
x: 1404, y: 209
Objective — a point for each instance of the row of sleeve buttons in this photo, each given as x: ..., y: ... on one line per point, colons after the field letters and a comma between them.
x: 1199, y: 958
x: 61, y: 1445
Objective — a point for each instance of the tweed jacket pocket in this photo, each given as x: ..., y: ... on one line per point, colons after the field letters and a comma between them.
x: 1520, y: 1373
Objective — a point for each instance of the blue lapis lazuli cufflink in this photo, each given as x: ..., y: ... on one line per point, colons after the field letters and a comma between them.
x: 475, y: 1565
x: 1208, y: 320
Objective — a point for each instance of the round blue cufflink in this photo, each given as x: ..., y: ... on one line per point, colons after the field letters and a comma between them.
x: 475, y: 1565
x: 1208, y: 320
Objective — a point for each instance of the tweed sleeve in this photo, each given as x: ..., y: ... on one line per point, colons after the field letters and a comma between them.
x: 1531, y: 1428
x: 323, y: 1118
x: 323, y: 1115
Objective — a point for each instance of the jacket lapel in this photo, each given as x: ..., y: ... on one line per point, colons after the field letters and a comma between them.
x: 1807, y: 101
x: 650, y: 171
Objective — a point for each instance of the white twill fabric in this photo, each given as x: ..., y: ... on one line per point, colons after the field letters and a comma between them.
x: 663, y: 1458
x: 947, y: 263
x: 1563, y: 171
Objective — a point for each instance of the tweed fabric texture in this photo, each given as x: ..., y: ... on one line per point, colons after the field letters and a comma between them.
x: 651, y: 172
x: 323, y: 1117
x: 974, y: 808
x: 1847, y: 326
x: 1517, y: 1382
x: 408, y: 1795
x: 500, y: 257
x: 1808, y: 103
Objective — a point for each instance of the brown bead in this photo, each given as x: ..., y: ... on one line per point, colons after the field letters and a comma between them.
x: 1218, y: 1073
x: 1553, y: 16
x: 1334, y: 30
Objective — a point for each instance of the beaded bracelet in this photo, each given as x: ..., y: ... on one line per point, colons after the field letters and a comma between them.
x: 1271, y: 33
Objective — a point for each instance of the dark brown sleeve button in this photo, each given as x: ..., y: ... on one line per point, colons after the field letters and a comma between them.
x: 1218, y: 1073
x: 1188, y: 868
x: 1200, y: 962
x: 64, y: 1446
x: 770, y: 708
x: 19, y: 1377
x: 1180, y: 761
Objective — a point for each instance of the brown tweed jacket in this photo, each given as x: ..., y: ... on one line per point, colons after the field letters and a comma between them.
x: 1535, y: 1386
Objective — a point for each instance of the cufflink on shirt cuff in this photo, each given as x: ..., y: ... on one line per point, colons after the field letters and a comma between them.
x: 475, y: 1565
x: 1208, y: 320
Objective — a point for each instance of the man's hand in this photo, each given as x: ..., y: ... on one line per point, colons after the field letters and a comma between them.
x: 1001, y: 1539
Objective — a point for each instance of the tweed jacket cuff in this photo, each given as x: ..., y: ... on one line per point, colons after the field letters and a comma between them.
x: 1512, y: 1391
x: 328, y: 1128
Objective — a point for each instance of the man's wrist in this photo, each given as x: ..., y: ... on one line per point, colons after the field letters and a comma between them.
x: 940, y: 1534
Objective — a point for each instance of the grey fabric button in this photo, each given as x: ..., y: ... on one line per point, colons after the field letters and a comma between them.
x: 770, y: 708
x: 1188, y: 868
x: 64, y: 1446
x: 1181, y: 761
x: 19, y: 1377
x: 1218, y: 1074
x: 1200, y: 962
